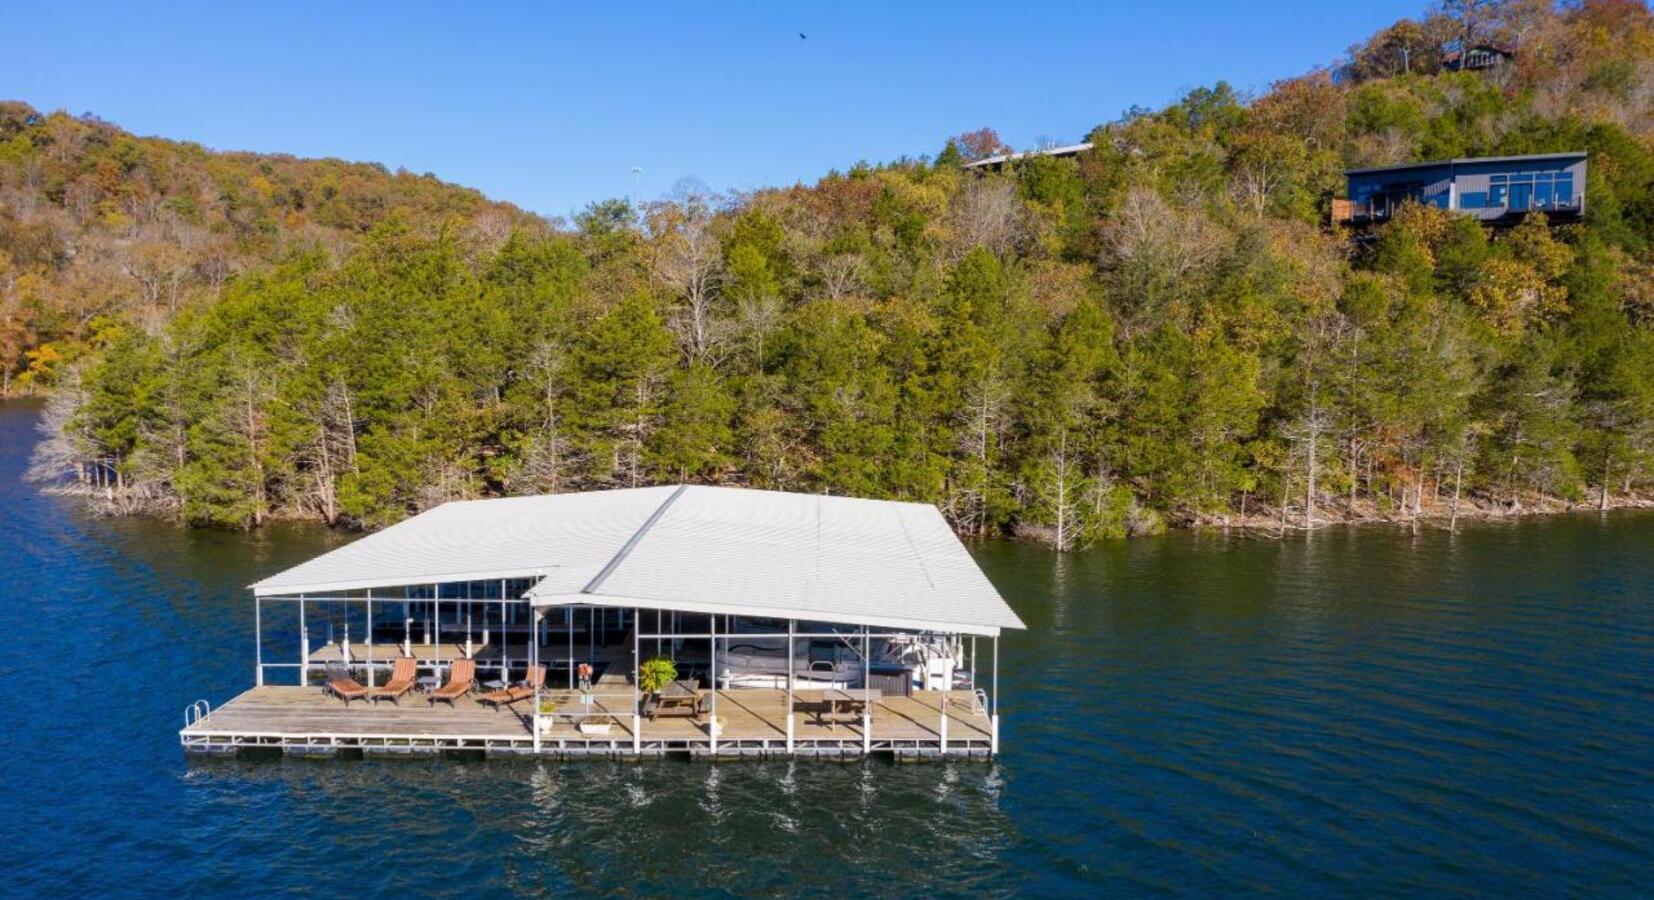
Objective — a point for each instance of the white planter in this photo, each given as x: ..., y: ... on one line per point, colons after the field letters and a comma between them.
x: 595, y: 727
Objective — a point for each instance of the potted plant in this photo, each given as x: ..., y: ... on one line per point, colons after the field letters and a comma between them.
x: 655, y: 674
x: 543, y: 719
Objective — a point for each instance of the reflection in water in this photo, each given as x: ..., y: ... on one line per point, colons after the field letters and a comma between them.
x: 1198, y: 714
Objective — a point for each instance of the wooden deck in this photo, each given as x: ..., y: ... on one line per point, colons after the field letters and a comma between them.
x: 306, y: 720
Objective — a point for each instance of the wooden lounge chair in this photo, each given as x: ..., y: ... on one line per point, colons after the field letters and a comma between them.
x: 536, y: 676
x: 462, y: 677
x: 403, y: 673
x: 341, y: 685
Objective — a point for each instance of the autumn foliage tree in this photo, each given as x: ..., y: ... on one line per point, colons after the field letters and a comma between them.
x: 1164, y: 329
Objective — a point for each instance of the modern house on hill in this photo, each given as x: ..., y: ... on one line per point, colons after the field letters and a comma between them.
x: 997, y: 162
x: 1498, y: 190
x: 1479, y: 57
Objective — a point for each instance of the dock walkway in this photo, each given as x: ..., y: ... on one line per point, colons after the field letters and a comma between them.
x: 308, y: 721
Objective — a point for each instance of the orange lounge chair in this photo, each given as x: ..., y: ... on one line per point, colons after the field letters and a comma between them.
x: 462, y: 676
x: 341, y: 685
x: 403, y: 672
x: 536, y: 677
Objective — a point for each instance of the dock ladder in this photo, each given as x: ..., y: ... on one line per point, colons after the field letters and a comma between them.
x: 196, y: 712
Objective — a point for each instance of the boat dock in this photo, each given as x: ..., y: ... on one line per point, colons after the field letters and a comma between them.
x: 631, y: 623
x: 304, y: 721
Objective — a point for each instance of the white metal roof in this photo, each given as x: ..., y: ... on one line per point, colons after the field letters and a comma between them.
x: 1002, y: 158
x: 689, y: 548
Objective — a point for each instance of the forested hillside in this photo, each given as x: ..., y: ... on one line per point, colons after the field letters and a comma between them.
x: 98, y: 226
x: 1164, y: 329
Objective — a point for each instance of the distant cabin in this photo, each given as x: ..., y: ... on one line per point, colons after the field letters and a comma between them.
x: 1479, y: 57
x: 995, y: 163
x: 1498, y: 190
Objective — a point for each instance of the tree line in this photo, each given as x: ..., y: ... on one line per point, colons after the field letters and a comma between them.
x: 1162, y: 330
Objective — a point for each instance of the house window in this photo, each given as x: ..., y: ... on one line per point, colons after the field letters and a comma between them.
x: 1564, y: 195
x: 1496, y: 191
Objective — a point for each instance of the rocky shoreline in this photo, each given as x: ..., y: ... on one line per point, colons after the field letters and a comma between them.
x: 1433, y: 514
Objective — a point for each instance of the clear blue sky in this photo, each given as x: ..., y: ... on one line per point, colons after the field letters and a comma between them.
x: 550, y: 104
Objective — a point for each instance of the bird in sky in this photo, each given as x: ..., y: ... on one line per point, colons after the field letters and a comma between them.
x: 802, y: 37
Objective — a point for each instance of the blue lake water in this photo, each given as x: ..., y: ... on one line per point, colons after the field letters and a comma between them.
x: 1361, y: 711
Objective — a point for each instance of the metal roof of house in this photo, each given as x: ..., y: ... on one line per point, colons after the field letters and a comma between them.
x: 1002, y: 158
x: 689, y: 548
x: 1465, y: 160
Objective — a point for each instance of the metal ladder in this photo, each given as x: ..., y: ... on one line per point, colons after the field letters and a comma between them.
x: 196, y: 712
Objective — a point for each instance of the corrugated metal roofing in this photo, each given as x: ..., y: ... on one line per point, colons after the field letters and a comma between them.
x: 691, y: 548
x: 566, y: 538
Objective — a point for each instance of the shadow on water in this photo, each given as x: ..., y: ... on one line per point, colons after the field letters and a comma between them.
x: 1199, y: 713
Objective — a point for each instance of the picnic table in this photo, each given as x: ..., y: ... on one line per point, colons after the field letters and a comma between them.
x: 838, y: 703
x: 676, y: 697
x: 587, y: 711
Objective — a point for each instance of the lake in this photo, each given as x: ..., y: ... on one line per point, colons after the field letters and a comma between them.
x: 1361, y: 710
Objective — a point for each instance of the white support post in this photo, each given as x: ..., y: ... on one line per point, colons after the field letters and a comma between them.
x: 470, y: 649
x: 534, y: 660
x: 304, y: 647
x: 942, y: 730
x: 258, y: 642
x: 505, y: 652
x: 370, y: 639
x: 792, y: 665
x: 637, y: 686
x: 712, y: 727
x: 568, y: 625
x: 867, y: 701
x: 993, y: 705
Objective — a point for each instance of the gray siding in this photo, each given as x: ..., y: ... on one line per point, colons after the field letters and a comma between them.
x: 1487, y: 189
x: 1493, y: 190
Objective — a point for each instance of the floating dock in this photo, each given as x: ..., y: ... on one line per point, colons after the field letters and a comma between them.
x: 831, y: 626
x: 305, y: 721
